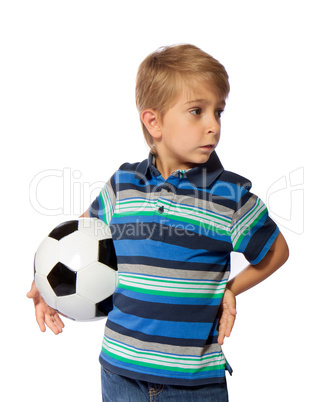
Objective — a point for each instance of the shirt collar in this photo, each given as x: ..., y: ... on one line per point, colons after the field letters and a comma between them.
x: 200, y: 176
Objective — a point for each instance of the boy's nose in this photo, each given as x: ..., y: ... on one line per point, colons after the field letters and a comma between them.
x: 213, y: 126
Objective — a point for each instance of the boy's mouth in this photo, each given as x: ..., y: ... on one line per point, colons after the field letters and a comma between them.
x: 208, y: 147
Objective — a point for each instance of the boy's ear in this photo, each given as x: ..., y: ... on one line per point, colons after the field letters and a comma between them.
x: 150, y: 118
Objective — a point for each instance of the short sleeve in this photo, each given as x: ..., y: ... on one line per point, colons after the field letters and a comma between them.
x: 253, y: 231
x: 104, y: 204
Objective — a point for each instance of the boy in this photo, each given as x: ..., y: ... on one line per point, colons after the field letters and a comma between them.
x: 175, y: 219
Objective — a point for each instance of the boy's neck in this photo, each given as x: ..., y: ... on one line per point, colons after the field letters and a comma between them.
x: 166, y: 168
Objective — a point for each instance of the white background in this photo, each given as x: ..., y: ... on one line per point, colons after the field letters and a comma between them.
x: 68, y: 120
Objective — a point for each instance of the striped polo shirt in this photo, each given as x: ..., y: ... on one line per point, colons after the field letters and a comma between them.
x: 173, y: 239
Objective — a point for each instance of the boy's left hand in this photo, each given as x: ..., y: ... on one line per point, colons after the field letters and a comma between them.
x: 228, y: 313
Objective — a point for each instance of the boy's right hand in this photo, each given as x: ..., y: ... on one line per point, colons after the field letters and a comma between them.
x: 44, y: 313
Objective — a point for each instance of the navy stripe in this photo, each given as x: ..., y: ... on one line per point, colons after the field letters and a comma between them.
x: 168, y: 299
x: 96, y: 209
x: 258, y: 240
x: 234, y: 178
x: 216, y: 198
x: 166, y: 312
x: 176, y: 329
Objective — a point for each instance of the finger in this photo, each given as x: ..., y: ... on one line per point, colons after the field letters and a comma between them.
x: 40, y: 321
x: 51, y: 323
x: 225, y: 326
x: 221, y: 338
x: 229, y: 325
x: 31, y: 294
x: 232, y: 309
x: 58, y: 321
x: 221, y: 330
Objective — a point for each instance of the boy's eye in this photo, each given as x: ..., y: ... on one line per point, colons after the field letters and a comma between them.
x: 219, y: 112
x: 196, y: 112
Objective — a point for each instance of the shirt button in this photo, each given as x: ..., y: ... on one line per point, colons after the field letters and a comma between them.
x: 161, y: 209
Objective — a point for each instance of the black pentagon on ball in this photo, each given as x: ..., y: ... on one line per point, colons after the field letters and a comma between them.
x: 64, y: 229
x: 104, y: 307
x: 62, y: 280
x: 106, y: 253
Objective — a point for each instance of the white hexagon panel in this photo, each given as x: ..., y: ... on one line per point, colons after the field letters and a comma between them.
x: 47, y: 255
x: 89, y: 284
x: 76, y: 306
x: 78, y: 250
x: 45, y: 290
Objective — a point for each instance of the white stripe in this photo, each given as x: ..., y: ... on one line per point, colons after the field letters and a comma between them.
x: 162, y: 360
x: 170, y: 289
x: 173, y: 280
x: 242, y: 226
x: 166, y: 284
x: 174, y: 286
x: 108, y: 204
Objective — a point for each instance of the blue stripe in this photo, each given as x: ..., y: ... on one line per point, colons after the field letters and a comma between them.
x: 159, y: 312
x: 133, y: 219
x: 122, y: 177
x: 96, y: 209
x: 140, y: 219
x: 171, y: 252
x: 211, y: 232
x: 266, y: 248
x: 181, y: 233
x: 184, y: 330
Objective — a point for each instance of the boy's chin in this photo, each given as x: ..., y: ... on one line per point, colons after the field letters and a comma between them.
x: 203, y: 158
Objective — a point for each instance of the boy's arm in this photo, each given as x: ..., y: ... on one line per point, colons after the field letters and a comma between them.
x: 252, y: 275
x: 246, y: 279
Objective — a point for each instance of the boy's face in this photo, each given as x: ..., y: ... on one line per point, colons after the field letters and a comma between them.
x: 190, y: 129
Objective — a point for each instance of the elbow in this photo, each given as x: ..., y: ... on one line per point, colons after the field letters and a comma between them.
x: 280, y: 250
x: 284, y: 250
x: 286, y: 254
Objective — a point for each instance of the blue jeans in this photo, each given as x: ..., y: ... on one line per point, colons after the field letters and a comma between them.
x: 116, y: 388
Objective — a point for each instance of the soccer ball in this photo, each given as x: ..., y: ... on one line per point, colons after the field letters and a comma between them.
x: 75, y: 269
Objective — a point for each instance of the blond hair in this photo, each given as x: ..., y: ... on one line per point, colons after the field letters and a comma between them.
x: 163, y: 73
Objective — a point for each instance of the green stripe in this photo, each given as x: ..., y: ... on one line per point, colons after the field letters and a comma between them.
x: 181, y: 282
x: 131, y: 361
x: 103, y: 209
x: 202, y: 214
x: 180, y: 219
x: 173, y: 294
x: 133, y: 213
x: 157, y: 355
x: 245, y: 231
